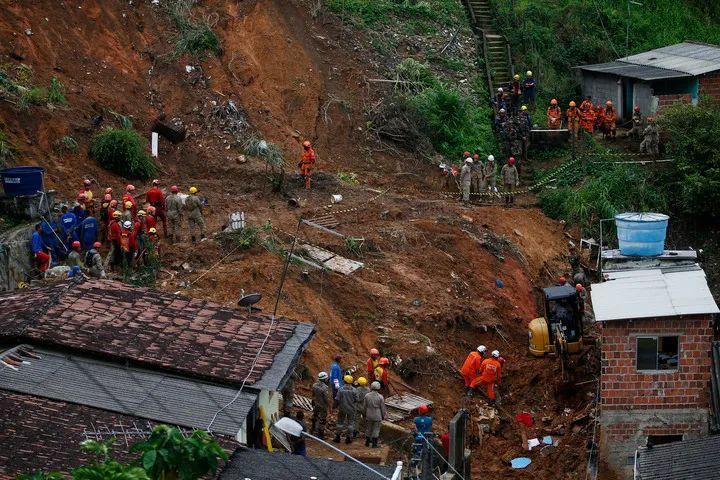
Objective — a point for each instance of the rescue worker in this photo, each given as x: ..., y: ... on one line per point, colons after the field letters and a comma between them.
x: 321, y: 404
x: 129, y: 196
x: 599, y: 122
x: 554, y: 115
x: 93, y: 261
x: 637, y: 122
x: 466, y: 179
x: 382, y: 374
x: 490, y: 174
x: 42, y: 259
x: 609, y: 120
x: 88, y: 232
x: 375, y: 413
x: 336, y: 375
x: 150, y: 218
x: 74, y: 259
x: 651, y: 138
x: 128, y: 214
x: 140, y: 232
x: 50, y: 232
x: 471, y: 367
x: 156, y: 199
x: 477, y: 167
x: 86, y: 192
x: 307, y: 161
x: 501, y: 120
x: 529, y: 88
x: 499, y: 101
x: 127, y: 244
x: 422, y: 424
x: 79, y: 208
x: 361, y: 390
x: 573, y: 120
x: 515, y: 93
x: 524, y: 129
x: 154, y: 243
x: 511, y: 179
x: 372, y: 364
x: 103, y: 217
x: 298, y: 443
x: 68, y: 226
x: 174, y: 206
x: 114, y: 257
x: 587, y: 116
x: 346, y: 399
x: 195, y: 218
x: 490, y: 375
x: 580, y: 289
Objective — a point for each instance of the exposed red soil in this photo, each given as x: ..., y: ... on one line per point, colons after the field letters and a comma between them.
x: 431, y: 266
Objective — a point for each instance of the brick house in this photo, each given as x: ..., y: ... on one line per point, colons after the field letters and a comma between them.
x: 655, y: 79
x: 113, y: 360
x: 656, y: 331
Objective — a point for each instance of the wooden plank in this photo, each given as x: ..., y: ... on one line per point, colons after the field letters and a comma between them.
x: 323, y: 229
x: 302, y: 402
x: 407, y: 402
x: 331, y: 261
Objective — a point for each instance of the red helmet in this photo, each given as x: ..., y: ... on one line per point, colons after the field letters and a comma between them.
x: 466, y: 154
x: 151, y: 210
x: 511, y: 161
x: 579, y: 287
x: 87, y: 182
x: 107, y: 197
x: 97, y: 245
x: 650, y: 119
x: 562, y: 281
x: 374, y: 352
x: 108, y: 190
x: 384, y: 361
x: 81, y: 197
x: 423, y: 409
x: 637, y: 108
x: 174, y: 189
x: 113, y: 203
x: 307, y: 144
x: 130, y: 188
x: 76, y: 244
x: 476, y: 157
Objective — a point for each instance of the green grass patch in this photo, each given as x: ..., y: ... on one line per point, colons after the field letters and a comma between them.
x: 368, y: 13
x: 124, y: 152
x: 66, y: 144
x: 33, y: 96
x: 194, y: 36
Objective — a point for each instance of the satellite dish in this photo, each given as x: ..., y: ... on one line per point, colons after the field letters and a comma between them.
x: 250, y: 300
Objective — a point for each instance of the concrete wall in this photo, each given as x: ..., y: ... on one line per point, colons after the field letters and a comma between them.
x: 622, y: 432
x: 642, y: 95
x: 600, y: 87
x: 16, y: 263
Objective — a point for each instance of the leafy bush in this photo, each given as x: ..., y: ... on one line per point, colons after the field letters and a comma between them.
x: 55, y: 93
x: 123, y: 152
x: 694, y: 143
x: 416, y: 75
x: 195, y: 37
x: 66, y: 144
x: 369, y: 12
x: 33, y: 96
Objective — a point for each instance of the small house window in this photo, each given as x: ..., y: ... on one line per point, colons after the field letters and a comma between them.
x: 653, y: 440
x: 657, y: 353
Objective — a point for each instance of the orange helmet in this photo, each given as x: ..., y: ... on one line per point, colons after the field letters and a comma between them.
x: 579, y: 287
x: 384, y: 361
x: 307, y: 144
x: 423, y: 409
x: 151, y: 210
x: 562, y: 280
x: 113, y: 203
x: 374, y: 352
x: 572, y: 104
x: 108, y: 190
x: 130, y: 188
x: 174, y: 189
x: 553, y: 102
x: 466, y: 153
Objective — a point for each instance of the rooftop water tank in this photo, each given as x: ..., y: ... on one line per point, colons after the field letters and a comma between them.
x: 20, y: 181
x: 641, y: 234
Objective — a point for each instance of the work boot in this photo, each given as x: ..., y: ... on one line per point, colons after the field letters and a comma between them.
x: 337, y: 438
x: 348, y: 439
x: 367, y: 441
x: 375, y: 443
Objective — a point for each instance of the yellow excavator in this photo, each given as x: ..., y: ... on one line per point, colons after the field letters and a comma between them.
x: 559, y: 332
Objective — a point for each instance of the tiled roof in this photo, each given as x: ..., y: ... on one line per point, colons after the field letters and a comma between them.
x: 41, y: 434
x: 154, y: 328
x: 687, y: 460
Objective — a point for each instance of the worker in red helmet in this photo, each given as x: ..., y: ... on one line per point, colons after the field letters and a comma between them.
x: 86, y: 192
x: 174, y: 205
x: 114, y: 257
x: 74, y: 258
x: 490, y: 375
x: 150, y: 218
x: 609, y: 121
x: 93, y: 261
x: 511, y: 180
x: 423, y: 422
x: 581, y: 293
x: 637, y: 123
x: 307, y: 162
x: 372, y: 364
x: 382, y: 375
x: 561, y: 281
x: 129, y: 196
x: 156, y: 198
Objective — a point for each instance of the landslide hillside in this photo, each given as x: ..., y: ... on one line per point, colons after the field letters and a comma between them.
x: 438, y: 278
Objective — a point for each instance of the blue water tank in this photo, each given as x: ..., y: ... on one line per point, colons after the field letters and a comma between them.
x: 641, y: 234
x: 19, y: 181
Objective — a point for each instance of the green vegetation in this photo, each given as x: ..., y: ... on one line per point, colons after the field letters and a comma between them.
x: 16, y: 83
x: 421, y: 14
x: 7, y: 149
x: 551, y: 36
x: 194, y: 36
x: 123, y: 152
x: 349, y: 178
x: 66, y: 144
x: 33, y: 96
x: 695, y: 145
x: 166, y: 455
x: 55, y: 93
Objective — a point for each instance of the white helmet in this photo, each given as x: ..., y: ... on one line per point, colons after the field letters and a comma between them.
x: 468, y: 160
x: 502, y: 110
x: 127, y: 224
x: 482, y: 349
x: 375, y: 386
x: 322, y: 376
x: 491, y: 158
x: 495, y: 354
x: 500, y: 90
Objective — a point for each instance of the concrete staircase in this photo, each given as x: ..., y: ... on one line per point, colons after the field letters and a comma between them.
x: 496, y: 50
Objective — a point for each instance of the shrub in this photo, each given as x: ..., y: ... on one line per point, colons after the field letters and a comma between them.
x: 417, y: 75
x: 55, y: 93
x: 33, y: 96
x: 123, y: 151
x: 369, y: 12
x: 195, y: 37
x: 66, y: 144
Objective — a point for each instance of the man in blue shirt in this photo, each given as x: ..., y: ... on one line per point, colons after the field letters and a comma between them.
x: 68, y: 224
x: 88, y: 232
x: 423, y: 422
x: 336, y: 376
x: 42, y: 259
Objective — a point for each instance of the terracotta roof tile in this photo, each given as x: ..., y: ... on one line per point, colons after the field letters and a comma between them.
x: 121, y: 321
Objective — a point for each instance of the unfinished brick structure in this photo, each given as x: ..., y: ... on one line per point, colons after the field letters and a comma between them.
x: 654, y: 382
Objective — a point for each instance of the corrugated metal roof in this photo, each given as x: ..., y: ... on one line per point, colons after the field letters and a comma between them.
x: 639, y: 72
x: 687, y: 460
x: 131, y: 391
x: 687, y: 57
x: 652, y: 293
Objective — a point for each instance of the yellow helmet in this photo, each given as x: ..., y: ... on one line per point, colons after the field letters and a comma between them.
x: 516, y: 77
x: 528, y: 73
x: 141, y: 213
x: 117, y: 214
x: 193, y: 190
x: 572, y: 103
x: 523, y: 108
x: 348, y: 379
x: 153, y: 230
x: 362, y: 381
x: 128, y: 204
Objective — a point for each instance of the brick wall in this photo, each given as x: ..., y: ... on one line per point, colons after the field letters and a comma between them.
x: 668, y: 100
x: 710, y: 85
x: 622, y: 386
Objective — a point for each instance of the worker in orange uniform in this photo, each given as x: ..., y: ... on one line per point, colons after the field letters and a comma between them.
x: 471, y: 368
x: 382, y: 375
x: 609, y: 119
x: 307, y: 162
x: 372, y: 364
x: 587, y: 116
x: 128, y: 196
x: 554, y: 115
x: 490, y: 375
x: 573, y: 120
x: 156, y: 198
x: 86, y: 191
